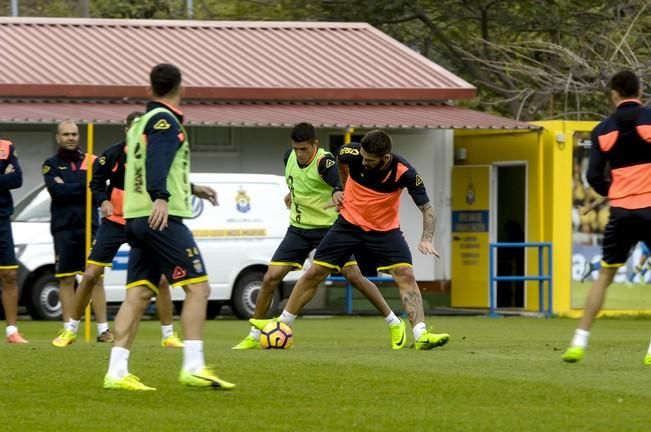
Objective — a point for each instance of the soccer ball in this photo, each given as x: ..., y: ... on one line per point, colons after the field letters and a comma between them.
x: 276, y: 335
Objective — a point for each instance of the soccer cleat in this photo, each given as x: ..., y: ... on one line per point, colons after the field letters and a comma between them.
x: 16, y: 338
x: 398, y: 335
x: 105, y: 337
x: 428, y: 340
x: 172, y: 341
x: 65, y: 338
x: 248, y: 342
x: 573, y: 354
x: 586, y: 271
x: 647, y: 359
x: 261, y: 323
x: 129, y: 382
x: 204, y: 378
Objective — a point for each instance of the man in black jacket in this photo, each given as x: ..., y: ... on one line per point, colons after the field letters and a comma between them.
x: 11, y: 177
x: 65, y: 177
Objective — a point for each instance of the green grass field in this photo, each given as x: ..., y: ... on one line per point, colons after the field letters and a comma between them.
x: 495, y: 374
x: 619, y: 296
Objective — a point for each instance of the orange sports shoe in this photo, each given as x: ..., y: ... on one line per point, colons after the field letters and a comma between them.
x: 16, y: 338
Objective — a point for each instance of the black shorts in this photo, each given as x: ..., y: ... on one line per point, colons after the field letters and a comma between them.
x: 388, y: 248
x: 297, y: 245
x: 110, y: 236
x: 69, y: 252
x: 7, y: 252
x: 624, y: 229
x: 172, y: 252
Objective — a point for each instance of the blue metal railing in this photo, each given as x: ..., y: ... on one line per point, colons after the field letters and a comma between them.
x: 349, y: 288
x: 541, y: 278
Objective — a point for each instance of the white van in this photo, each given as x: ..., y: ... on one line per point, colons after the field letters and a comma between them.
x: 237, y: 239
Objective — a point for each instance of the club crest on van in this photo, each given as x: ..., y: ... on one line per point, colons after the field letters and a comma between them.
x: 243, y: 201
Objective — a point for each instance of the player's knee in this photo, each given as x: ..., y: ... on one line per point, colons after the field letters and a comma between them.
x: 198, y: 290
x: 93, y: 272
x: 271, y: 279
x: 404, y: 275
x: 353, y: 274
x: 317, y: 273
x: 7, y: 277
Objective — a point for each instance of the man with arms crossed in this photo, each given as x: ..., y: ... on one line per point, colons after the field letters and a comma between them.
x: 313, y: 180
x: 373, y: 179
x: 157, y: 198
x: 65, y: 178
x: 11, y: 177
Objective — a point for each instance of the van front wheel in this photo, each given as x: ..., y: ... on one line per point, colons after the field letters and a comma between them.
x: 44, y: 301
x: 246, y: 292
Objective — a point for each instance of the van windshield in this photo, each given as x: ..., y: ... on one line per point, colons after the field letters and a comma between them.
x: 35, y: 207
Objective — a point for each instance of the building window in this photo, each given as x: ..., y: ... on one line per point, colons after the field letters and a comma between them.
x: 212, y: 139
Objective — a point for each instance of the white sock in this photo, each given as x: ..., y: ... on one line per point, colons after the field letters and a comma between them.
x: 648, y: 352
x: 580, y: 338
x: 254, y: 333
x: 73, y: 326
x: 101, y: 327
x: 118, y: 363
x: 167, y: 330
x: 392, y: 319
x: 419, y: 329
x: 193, y: 355
x: 11, y: 329
x: 287, y: 318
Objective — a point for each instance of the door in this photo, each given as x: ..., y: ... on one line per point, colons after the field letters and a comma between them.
x: 510, y: 226
x: 471, y: 200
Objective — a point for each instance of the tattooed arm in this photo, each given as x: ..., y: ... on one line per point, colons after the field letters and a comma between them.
x: 429, y: 225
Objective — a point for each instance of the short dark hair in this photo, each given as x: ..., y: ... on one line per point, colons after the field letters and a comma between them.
x: 303, y: 132
x: 164, y: 78
x: 625, y: 83
x: 377, y: 142
x: 133, y: 115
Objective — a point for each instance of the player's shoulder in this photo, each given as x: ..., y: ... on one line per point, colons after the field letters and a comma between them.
x: 52, y: 161
x: 402, y: 163
x: 605, y: 126
x: 326, y: 161
x: 645, y: 116
x: 160, y: 121
x: 114, y: 149
x: 349, y: 150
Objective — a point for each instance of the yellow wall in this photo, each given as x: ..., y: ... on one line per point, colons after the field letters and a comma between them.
x: 549, y: 191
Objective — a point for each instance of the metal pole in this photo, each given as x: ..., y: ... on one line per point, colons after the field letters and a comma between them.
x: 14, y: 8
x: 90, y: 141
x: 190, y: 9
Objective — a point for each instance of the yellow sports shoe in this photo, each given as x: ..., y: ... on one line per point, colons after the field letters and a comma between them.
x: 398, y: 335
x: 248, y: 342
x: 261, y: 323
x: 129, y: 382
x: 573, y: 354
x: 204, y: 378
x: 428, y: 340
x: 172, y: 341
x: 65, y: 338
x: 647, y: 359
